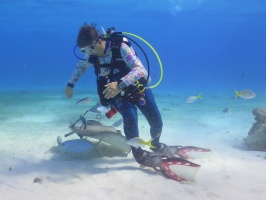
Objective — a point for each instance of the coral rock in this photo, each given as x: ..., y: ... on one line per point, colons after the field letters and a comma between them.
x: 256, y: 139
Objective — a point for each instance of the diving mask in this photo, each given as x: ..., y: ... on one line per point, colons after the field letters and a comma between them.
x: 87, y: 50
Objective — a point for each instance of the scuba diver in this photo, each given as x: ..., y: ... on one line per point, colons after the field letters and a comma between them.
x: 122, y: 84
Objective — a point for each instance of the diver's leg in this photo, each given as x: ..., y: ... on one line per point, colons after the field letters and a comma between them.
x: 153, y: 116
x: 130, y: 121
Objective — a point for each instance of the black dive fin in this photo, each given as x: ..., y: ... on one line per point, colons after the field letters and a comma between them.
x: 190, y: 152
x: 179, y: 169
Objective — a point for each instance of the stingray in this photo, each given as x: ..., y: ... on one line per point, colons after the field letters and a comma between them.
x: 91, y: 129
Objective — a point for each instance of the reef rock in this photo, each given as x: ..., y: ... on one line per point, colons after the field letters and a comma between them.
x: 256, y: 139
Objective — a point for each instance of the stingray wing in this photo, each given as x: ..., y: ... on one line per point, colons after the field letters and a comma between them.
x: 114, y: 140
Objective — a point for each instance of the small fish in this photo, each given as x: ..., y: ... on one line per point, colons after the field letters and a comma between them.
x: 85, y: 100
x: 138, y: 142
x: 227, y: 110
x: 191, y: 99
x: 245, y: 94
x: 117, y: 123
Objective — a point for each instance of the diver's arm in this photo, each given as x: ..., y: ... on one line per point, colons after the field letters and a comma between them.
x: 80, y: 69
x: 137, y: 71
x: 137, y: 68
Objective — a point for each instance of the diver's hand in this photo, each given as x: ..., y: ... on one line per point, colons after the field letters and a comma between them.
x: 69, y: 92
x: 111, y: 90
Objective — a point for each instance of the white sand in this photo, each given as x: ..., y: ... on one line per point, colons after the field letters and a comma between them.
x: 30, y: 123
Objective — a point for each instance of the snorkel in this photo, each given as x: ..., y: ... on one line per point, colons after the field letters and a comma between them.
x: 74, y: 51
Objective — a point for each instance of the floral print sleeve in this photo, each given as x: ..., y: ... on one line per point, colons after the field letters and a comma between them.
x: 137, y: 69
x: 80, y: 69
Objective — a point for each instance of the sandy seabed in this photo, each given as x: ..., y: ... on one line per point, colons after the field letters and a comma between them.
x: 31, y: 122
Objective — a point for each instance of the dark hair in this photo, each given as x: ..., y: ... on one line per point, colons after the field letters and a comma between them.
x: 87, y: 34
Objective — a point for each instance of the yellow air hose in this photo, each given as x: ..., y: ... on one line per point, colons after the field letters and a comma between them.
x: 156, y: 54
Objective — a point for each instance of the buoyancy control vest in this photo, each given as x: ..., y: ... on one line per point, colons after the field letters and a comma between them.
x: 120, y: 68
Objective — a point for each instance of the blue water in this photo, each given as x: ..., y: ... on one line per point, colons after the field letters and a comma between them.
x: 204, y: 45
